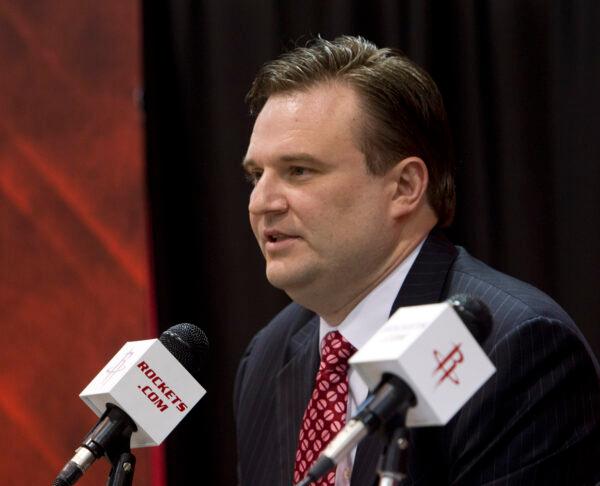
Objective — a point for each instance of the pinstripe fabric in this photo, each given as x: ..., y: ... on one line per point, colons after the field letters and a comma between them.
x: 294, y: 385
x: 537, y: 421
x: 273, y: 386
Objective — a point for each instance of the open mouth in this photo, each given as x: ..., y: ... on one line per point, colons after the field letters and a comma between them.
x: 279, y: 237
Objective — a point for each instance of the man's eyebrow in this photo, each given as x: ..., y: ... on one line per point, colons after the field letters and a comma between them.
x: 294, y: 157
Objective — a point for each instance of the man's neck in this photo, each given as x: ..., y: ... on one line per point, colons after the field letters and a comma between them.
x: 375, y: 309
x: 336, y: 315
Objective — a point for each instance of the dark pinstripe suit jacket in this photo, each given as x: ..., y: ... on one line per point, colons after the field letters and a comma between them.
x: 537, y: 421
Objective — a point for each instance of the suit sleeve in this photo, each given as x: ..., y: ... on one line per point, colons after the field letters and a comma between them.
x: 538, y: 419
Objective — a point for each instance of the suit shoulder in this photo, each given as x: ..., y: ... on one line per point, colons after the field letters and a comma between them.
x: 511, y: 301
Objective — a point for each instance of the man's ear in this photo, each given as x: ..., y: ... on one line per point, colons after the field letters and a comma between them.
x: 409, y: 180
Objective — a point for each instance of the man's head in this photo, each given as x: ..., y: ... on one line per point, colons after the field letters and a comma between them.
x: 338, y: 200
x: 403, y: 112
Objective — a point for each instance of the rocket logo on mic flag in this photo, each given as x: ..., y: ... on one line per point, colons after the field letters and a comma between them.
x: 446, y: 365
x: 110, y: 372
x: 147, y: 381
x: 431, y: 349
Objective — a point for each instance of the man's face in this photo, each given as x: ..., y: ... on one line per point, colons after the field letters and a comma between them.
x: 322, y: 221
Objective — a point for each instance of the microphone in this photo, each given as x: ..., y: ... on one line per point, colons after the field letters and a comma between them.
x: 141, y: 395
x: 474, y: 314
x: 423, y: 363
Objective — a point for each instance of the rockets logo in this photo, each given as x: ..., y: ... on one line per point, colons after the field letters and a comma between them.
x: 446, y: 365
x: 119, y: 366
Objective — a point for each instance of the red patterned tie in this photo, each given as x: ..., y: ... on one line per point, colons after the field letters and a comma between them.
x: 325, y: 414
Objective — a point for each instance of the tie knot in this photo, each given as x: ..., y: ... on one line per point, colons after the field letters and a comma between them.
x: 335, y: 353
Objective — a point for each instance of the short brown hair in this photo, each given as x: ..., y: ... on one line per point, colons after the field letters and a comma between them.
x: 405, y: 114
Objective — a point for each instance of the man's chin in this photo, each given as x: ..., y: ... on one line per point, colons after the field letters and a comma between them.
x: 287, y: 280
x: 281, y: 282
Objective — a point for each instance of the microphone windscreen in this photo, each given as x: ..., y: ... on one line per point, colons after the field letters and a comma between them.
x: 474, y: 313
x: 188, y: 344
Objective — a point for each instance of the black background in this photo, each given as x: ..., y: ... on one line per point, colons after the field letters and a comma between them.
x: 520, y: 79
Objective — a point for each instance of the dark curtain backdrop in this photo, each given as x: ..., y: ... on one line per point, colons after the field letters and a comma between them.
x: 520, y: 80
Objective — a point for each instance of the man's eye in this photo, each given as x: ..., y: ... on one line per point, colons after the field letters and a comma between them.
x: 298, y: 171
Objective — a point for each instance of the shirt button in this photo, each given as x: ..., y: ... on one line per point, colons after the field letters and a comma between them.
x: 347, y: 474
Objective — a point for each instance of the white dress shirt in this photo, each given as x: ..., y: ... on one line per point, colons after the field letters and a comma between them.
x: 364, y: 321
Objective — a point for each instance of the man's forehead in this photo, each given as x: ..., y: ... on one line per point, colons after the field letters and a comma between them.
x: 302, y: 121
x: 325, y: 98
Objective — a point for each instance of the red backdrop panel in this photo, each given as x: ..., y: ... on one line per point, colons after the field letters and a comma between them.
x: 73, y: 256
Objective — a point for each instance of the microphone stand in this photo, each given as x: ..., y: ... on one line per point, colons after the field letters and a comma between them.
x: 123, y: 467
x: 112, y: 437
x: 393, y: 462
x: 118, y: 452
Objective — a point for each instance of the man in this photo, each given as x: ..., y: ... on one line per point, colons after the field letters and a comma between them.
x: 351, y: 161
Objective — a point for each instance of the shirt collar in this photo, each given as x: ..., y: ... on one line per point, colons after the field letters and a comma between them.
x: 374, y: 310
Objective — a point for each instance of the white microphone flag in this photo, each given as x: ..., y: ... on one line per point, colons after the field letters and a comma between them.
x: 430, y: 348
x: 149, y: 384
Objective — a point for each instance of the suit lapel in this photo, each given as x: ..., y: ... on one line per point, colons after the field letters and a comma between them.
x: 426, y: 279
x: 424, y: 284
x: 294, y: 385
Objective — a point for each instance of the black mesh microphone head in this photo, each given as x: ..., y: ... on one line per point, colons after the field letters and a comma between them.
x: 188, y: 344
x: 474, y: 313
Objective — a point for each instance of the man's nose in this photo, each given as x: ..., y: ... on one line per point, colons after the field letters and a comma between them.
x: 268, y: 196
